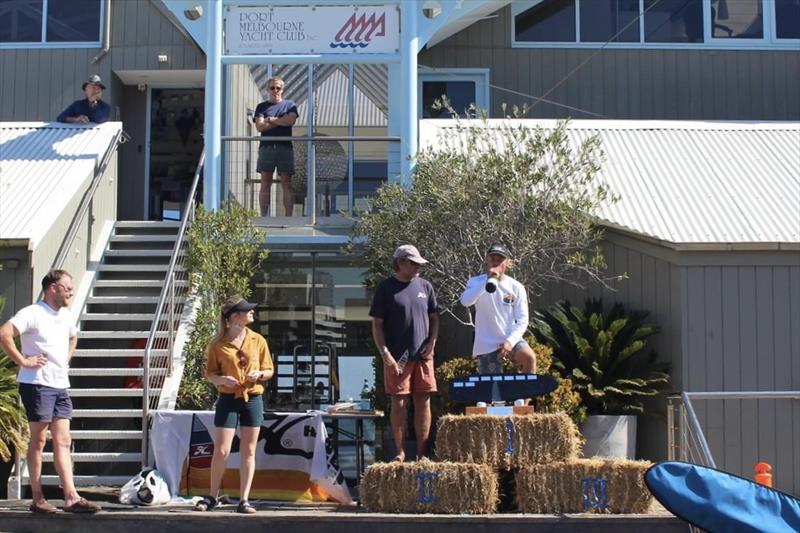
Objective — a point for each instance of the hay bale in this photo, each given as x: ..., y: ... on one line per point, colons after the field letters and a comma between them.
x: 452, y: 488
x: 558, y: 488
x: 536, y: 438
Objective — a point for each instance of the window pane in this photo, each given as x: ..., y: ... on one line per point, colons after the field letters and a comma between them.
x: 73, y: 21
x: 673, y: 21
x: 787, y: 17
x: 550, y: 21
x: 460, y: 93
x: 740, y: 19
x: 602, y: 20
x: 20, y: 21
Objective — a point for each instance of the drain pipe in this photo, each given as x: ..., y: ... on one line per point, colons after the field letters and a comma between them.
x: 106, y: 34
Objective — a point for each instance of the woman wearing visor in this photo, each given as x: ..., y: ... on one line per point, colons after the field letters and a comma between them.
x: 237, y: 361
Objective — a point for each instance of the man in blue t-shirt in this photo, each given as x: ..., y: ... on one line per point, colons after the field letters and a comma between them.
x: 89, y: 109
x: 275, y: 118
x: 405, y: 325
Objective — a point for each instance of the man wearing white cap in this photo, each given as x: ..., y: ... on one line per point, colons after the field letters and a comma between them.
x: 501, y: 315
x: 89, y: 109
x: 405, y: 325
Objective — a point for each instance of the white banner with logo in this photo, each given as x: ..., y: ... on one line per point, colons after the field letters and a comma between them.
x: 311, y: 30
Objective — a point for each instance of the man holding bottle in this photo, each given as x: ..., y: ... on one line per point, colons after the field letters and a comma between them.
x: 501, y: 315
x: 405, y: 325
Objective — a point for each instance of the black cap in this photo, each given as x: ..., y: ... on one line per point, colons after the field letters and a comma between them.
x: 499, y: 249
x: 235, y: 304
x: 94, y: 79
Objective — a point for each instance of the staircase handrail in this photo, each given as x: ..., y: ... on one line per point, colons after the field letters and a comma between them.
x: 167, y: 293
x: 120, y: 137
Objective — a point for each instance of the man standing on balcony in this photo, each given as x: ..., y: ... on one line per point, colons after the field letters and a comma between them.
x: 89, y: 109
x: 405, y: 326
x: 275, y: 118
x: 49, y: 336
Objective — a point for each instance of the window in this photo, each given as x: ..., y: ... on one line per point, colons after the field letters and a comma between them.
x: 551, y: 21
x: 673, y: 21
x: 738, y: 24
x: 462, y: 88
x: 612, y: 20
x: 50, y: 22
x: 787, y: 18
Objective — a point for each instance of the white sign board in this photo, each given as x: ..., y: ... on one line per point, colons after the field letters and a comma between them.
x: 311, y: 30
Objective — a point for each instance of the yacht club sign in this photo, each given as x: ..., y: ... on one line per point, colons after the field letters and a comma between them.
x: 311, y: 30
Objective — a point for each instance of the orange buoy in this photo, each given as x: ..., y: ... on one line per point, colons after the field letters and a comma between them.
x: 763, y: 474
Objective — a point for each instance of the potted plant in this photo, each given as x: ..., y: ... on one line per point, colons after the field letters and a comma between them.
x: 605, y: 356
x: 13, y: 422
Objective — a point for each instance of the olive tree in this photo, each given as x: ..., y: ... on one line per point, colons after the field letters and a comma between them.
x: 534, y: 190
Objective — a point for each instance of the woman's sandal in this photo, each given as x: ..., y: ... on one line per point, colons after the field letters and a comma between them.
x: 244, y: 507
x: 206, y: 504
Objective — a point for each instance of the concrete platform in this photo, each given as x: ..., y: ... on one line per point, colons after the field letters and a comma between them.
x: 280, y: 517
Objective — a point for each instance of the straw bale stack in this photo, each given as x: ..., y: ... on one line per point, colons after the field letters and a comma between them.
x: 457, y: 488
x: 558, y: 488
x: 484, y: 439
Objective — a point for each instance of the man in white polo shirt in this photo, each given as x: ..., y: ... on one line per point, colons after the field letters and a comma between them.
x: 49, y: 336
x: 501, y: 315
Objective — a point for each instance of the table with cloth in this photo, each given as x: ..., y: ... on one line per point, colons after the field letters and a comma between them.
x: 294, y: 460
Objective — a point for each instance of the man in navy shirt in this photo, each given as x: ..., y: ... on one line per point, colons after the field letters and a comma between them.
x: 275, y: 118
x: 90, y: 109
x: 405, y: 325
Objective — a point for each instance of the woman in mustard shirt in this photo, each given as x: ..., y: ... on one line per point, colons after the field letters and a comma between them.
x: 237, y: 361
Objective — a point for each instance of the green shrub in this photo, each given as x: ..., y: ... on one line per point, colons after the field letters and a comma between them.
x: 224, y: 253
x: 603, y: 354
x: 13, y: 422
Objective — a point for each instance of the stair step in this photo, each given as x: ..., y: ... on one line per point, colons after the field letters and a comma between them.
x: 122, y: 300
x: 119, y: 352
x: 134, y: 317
x: 105, y: 434
x: 99, y: 457
x: 106, y: 413
x: 136, y: 268
x: 146, y: 224
x: 137, y: 253
x: 138, y: 372
x: 89, y: 481
x: 128, y: 393
x: 119, y: 334
x: 135, y: 283
x: 143, y: 238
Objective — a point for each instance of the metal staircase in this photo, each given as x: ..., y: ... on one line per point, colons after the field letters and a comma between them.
x: 106, y: 371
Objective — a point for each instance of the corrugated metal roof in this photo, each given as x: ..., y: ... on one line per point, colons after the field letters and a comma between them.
x: 701, y: 184
x: 42, y: 167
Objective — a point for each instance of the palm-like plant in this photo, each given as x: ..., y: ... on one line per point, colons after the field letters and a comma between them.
x: 603, y: 354
x: 13, y: 422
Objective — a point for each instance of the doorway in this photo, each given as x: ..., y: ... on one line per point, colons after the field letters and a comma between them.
x: 176, y: 142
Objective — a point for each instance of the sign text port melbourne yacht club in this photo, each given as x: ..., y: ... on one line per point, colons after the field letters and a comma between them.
x: 311, y: 30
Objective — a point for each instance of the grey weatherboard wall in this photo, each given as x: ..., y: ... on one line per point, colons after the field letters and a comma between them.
x: 730, y: 321
x: 626, y: 83
x: 38, y: 83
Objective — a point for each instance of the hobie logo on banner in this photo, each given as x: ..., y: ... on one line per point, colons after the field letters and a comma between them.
x: 359, y: 30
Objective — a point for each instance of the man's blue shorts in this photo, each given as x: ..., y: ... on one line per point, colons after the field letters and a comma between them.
x: 492, y: 363
x: 231, y: 411
x: 45, y: 404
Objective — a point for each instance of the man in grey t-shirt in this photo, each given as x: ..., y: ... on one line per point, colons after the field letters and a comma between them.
x: 405, y: 325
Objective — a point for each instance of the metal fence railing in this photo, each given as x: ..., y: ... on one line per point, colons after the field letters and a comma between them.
x: 159, y: 351
x: 686, y: 440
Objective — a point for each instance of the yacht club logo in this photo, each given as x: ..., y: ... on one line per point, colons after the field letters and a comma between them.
x: 359, y: 30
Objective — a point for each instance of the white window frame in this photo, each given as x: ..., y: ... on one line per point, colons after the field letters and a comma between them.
x: 480, y: 76
x: 770, y: 41
x: 43, y: 43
